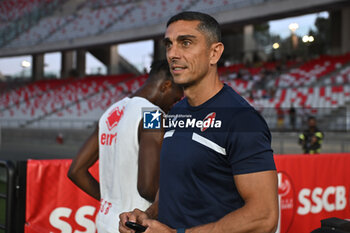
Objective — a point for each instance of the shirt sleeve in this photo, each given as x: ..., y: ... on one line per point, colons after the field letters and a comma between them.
x: 249, y: 144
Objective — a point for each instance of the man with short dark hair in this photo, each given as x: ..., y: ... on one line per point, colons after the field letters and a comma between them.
x: 128, y: 154
x: 217, y: 175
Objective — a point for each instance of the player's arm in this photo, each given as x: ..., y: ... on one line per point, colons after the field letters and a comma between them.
x: 152, y: 211
x: 79, y: 169
x: 150, y: 142
x: 259, y: 213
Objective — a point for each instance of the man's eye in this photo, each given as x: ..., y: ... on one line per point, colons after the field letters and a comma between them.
x: 186, y: 43
x: 167, y: 45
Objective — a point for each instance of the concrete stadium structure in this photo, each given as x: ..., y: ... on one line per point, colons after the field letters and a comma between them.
x: 73, y: 29
x: 122, y: 21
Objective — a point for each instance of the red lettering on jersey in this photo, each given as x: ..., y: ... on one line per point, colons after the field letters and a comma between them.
x: 103, y: 139
x: 105, y: 206
x: 108, y: 139
x: 111, y: 138
x: 114, y: 117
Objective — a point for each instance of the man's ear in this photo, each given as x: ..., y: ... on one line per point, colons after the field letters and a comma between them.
x: 215, y: 52
x: 165, y: 86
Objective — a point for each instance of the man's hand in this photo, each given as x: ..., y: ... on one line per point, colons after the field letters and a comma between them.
x: 136, y: 215
x: 154, y: 226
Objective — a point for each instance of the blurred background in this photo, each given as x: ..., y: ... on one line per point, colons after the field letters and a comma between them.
x: 62, y: 63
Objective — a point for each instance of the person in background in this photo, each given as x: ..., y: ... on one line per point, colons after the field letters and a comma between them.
x: 292, y: 117
x: 311, y: 139
x: 128, y: 154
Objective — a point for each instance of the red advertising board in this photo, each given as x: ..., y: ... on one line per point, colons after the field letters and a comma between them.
x: 311, y: 188
x: 53, y: 203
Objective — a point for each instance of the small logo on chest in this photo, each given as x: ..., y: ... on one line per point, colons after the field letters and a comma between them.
x: 114, y: 117
x: 208, y: 121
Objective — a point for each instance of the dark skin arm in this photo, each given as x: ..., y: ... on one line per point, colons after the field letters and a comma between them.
x: 150, y: 142
x: 79, y: 169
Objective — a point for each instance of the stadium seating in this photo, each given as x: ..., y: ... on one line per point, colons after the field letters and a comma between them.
x: 66, y: 99
x: 100, y: 16
x: 320, y: 101
x: 3, y: 25
x: 41, y: 31
x: 106, y: 3
x: 244, y: 79
x: 22, y: 94
x: 14, y: 9
x: 342, y: 77
x: 311, y: 87
x: 81, y: 114
x: 97, y: 16
x: 240, y: 86
x: 89, y: 22
x: 311, y: 71
x: 217, y: 5
x: 319, y: 86
x: 150, y: 12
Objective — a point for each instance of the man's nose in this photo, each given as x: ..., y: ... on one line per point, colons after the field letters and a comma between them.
x: 173, y: 53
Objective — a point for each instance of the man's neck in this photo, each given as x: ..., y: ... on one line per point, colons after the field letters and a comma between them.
x: 204, y: 90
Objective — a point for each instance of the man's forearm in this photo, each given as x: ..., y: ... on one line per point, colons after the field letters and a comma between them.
x: 79, y: 169
x: 260, y: 211
x: 152, y: 211
x: 87, y: 183
x: 239, y: 221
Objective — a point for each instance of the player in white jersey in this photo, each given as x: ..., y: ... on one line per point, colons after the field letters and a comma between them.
x: 128, y: 154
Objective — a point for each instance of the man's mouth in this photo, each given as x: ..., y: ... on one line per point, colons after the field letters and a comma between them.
x: 178, y: 69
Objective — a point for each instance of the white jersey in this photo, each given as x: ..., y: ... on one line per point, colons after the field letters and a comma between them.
x: 118, y: 161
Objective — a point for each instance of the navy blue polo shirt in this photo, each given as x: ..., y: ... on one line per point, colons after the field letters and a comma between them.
x: 198, y: 161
